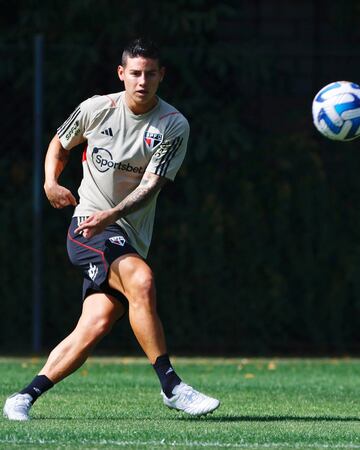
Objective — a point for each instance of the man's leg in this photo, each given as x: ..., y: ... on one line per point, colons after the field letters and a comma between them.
x: 99, y: 313
x: 130, y: 275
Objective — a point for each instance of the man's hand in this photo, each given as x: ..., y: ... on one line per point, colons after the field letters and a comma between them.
x: 59, y: 196
x: 148, y: 187
x: 96, y: 223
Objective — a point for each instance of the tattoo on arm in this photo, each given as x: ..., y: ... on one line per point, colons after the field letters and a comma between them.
x: 149, y: 186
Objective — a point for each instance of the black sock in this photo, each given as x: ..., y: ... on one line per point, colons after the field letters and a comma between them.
x: 167, y: 375
x: 38, y: 386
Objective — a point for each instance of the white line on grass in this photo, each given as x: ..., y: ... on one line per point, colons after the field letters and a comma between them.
x: 181, y: 444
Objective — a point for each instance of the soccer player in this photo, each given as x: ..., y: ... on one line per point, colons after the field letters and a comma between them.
x: 135, y: 143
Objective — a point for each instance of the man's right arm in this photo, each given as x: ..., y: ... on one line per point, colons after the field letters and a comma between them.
x: 55, y: 162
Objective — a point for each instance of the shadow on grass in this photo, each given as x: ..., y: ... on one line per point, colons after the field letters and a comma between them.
x: 217, y: 418
x: 273, y: 418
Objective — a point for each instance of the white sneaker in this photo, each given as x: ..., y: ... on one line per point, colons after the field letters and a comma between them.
x: 189, y: 400
x: 17, y: 406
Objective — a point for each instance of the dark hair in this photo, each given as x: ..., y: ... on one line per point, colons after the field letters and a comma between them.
x: 140, y: 47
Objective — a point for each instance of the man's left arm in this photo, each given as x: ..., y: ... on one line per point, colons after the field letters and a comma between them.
x: 149, y: 186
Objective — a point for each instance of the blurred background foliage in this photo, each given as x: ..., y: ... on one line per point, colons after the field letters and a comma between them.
x: 256, y: 247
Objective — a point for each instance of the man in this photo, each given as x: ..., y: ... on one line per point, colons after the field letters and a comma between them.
x: 135, y: 142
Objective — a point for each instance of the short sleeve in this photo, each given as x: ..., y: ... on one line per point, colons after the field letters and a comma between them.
x: 71, y: 132
x: 168, y: 157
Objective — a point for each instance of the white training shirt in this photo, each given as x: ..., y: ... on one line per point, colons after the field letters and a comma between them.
x: 121, y: 147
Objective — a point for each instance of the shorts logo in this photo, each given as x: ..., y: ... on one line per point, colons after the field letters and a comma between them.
x: 102, y: 159
x: 152, y: 139
x: 118, y: 240
x: 93, y: 271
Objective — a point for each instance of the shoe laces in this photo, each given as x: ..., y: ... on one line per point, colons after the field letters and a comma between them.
x: 21, y: 402
x: 188, y: 394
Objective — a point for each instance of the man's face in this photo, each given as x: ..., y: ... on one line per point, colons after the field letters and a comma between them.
x: 141, y: 77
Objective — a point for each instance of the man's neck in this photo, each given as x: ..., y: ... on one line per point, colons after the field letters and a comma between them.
x: 139, y: 109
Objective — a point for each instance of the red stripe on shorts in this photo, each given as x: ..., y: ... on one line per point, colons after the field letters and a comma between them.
x: 89, y: 248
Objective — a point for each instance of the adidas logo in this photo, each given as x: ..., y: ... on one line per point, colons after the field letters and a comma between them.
x: 108, y: 132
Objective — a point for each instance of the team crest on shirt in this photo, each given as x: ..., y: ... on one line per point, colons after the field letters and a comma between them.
x: 118, y: 240
x: 152, y: 139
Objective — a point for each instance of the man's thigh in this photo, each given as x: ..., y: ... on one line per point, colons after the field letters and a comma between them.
x: 94, y: 257
x: 130, y: 275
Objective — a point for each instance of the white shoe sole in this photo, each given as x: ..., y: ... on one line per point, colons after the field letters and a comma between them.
x: 194, y: 414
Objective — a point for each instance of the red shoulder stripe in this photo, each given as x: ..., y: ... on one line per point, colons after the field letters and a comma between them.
x: 168, y: 114
x: 113, y: 103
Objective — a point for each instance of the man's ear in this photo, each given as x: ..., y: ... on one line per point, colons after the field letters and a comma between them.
x: 120, y: 71
x: 162, y: 73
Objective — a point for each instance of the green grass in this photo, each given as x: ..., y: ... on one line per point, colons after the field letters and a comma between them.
x: 115, y: 403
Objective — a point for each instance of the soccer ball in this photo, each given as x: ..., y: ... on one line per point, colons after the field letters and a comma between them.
x: 336, y: 111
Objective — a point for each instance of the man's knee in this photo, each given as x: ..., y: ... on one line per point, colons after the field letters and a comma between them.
x: 100, y: 312
x: 135, y: 279
x: 96, y: 327
x: 144, y: 281
x: 142, y: 290
x: 102, y: 326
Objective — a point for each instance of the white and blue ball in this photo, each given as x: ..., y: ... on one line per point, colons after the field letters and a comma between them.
x: 336, y: 111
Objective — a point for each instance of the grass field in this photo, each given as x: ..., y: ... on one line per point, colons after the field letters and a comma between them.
x: 115, y: 403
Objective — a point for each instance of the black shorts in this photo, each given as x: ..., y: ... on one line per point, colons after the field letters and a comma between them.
x: 94, y: 256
